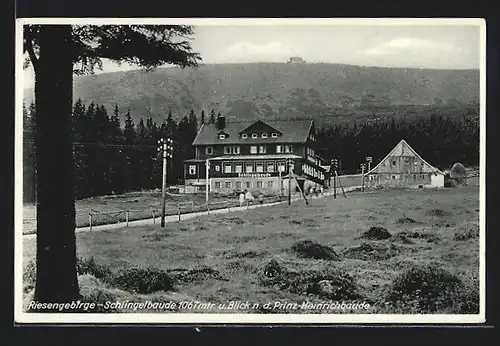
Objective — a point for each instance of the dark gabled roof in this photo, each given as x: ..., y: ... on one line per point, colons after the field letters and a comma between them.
x: 292, y: 131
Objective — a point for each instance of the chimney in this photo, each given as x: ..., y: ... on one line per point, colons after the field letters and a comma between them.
x: 220, y: 122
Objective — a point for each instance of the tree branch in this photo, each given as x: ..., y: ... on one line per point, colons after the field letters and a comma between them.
x: 30, y: 49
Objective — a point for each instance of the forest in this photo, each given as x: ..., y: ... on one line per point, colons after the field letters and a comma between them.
x: 112, y: 158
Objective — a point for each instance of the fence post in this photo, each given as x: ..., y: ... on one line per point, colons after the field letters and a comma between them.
x: 247, y: 203
x: 90, y: 221
x: 179, y: 211
x: 192, y: 206
x: 208, y: 209
x: 228, y: 206
x: 126, y: 216
x: 153, y: 212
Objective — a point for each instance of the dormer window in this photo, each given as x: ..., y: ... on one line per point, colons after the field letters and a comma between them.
x: 244, y: 136
x: 264, y: 135
x: 222, y: 136
x: 274, y: 135
x: 254, y: 135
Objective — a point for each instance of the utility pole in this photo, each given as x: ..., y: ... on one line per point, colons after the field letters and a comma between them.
x: 166, y: 148
x: 363, y: 177
x: 369, y: 159
x: 207, y: 181
x: 290, y: 169
x: 334, y: 164
x: 279, y: 183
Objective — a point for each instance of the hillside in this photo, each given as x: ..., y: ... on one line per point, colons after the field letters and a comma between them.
x: 272, y: 90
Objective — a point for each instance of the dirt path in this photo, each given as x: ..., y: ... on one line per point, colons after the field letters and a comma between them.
x: 175, y: 218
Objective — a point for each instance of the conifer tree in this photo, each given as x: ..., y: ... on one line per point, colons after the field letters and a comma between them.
x: 212, y: 117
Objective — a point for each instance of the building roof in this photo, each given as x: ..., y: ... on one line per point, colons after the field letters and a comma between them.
x: 293, y: 131
x: 398, y: 150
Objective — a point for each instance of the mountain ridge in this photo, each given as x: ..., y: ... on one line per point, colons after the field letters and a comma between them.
x: 322, y: 91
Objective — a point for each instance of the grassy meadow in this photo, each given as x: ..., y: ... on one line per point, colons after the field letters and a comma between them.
x: 399, y: 250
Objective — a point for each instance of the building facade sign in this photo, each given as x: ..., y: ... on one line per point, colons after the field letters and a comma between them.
x: 255, y: 175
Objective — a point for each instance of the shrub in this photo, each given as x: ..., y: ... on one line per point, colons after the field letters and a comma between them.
x: 198, y: 274
x: 466, y: 232
x: 368, y: 251
x: 310, y: 249
x: 405, y: 220
x: 430, y: 237
x: 89, y: 266
x: 327, y: 282
x: 376, y: 233
x: 93, y: 291
x: 425, y: 289
x: 142, y: 280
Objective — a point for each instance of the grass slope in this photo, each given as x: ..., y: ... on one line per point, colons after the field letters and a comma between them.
x: 271, y: 90
x: 428, y: 264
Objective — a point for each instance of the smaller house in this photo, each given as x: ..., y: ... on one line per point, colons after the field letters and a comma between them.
x: 404, y: 167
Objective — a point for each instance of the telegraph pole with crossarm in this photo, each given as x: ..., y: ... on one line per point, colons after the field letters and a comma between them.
x: 166, y: 148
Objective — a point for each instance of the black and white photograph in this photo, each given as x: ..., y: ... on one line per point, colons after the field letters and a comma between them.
x: 250, y: 170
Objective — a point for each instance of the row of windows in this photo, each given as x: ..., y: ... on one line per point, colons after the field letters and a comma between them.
x: 260, y: 167
x: 238, y: 185
x: 253, y: 136
x: 254, y: 149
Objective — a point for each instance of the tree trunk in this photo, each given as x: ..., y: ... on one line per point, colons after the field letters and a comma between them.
x: 56, y: 279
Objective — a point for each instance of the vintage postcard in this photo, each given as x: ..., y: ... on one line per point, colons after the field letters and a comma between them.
x: 303, y: 171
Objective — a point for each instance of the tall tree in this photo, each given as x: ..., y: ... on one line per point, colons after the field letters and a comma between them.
x: 202, y: 117
x: 56, y: 53
x: 129, y: 132
x: 212, y: 117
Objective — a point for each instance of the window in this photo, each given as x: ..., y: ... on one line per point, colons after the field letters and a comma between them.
x: 217, y: 168
x: 288, y: 148
x: 394, y: 162
x: 264, y: 135
x: 238, y: 168
x: 222, y: 136
x: 259, y: 184
x: 262, y: 149
x: 227, y: 168
x: 253, y: 149
x: 254, y: 135
x: 279, y: 149
x: 270, y: 183
x: 270, y: 167
x: 274, y: 135
x: 259, y: 168
x: 227, y: 150
x: 192, y: 169
x: 236, y: 150
x: 249, y: 168
x: 238, y: 185
x: 248, y: 185
x: 281, y: 166
x: 217, y: 184
x: 209, y: 150
x: 227, y: 184
x: 244, y: 136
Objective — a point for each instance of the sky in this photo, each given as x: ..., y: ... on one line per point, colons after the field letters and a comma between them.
x: 411, y: 46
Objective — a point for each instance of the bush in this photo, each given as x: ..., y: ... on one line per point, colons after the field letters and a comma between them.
x: 466, y: 232
x: 405, y: 220
x: 327, y: 282
x: 198, y: 274
x: 376, y: 233
x: 93, y: 291
x: 310, y: 249
x: 89, y: 266
x: 430, y: 237
x: 371, y: 252
x: 425, y: 289
x: 143, y: 280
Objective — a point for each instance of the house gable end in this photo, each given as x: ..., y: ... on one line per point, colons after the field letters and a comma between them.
x: 403, y: 149
x: 260, y: 127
